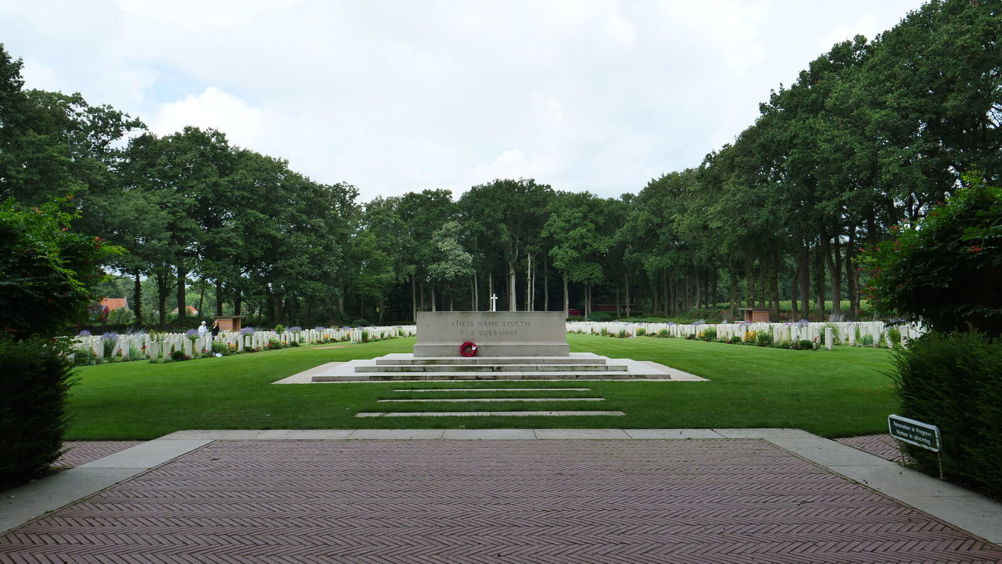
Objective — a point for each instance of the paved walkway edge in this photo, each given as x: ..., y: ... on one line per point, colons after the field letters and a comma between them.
x: 966, y: 510
x: 37, y: 498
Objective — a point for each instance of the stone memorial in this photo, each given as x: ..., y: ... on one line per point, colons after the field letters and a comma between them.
x: 524, y: 345
x: 495, y: 333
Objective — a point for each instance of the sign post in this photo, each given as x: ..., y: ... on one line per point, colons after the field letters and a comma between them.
x: 917, y: 433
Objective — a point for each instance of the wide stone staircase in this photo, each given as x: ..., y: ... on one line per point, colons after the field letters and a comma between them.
x: 407, y: 367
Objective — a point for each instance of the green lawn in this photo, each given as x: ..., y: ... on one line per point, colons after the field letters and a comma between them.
x: 832, y: 393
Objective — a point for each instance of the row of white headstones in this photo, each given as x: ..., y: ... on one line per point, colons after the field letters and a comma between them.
x: 161, y: 345
x: 851, y: 333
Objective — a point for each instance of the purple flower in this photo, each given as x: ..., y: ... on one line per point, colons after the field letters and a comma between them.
x: 84, y: 333
x: 295, y: 329
x: 192, y: 333
x: 109, y: 336
x: 319, y: 328
x: 247, y: 331
x: 803, y: 323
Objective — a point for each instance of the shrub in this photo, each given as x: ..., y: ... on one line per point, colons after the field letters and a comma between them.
x: 280, y: 329
x: 763, y: 339
x: 641, y: 332
x: 361, y: 323
x: 663, y: 333
x: 735, y: 340
x: 84, y: 357
x: 954, y: 381
x: 47, y: 271
x: 220, y: 347
x: 178, y: 355
x: 709, y: 334
x: 946, y: 269
x: 35, y: 378
x: 802, y: 345
x: 894, y: 334
x: 750, y: 337
x: 866, y: 340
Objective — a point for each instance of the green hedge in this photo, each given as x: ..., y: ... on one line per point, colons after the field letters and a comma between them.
x: 954, y: 381
x: 34, y: 381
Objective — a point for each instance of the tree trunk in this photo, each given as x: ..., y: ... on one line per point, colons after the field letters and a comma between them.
x: 238, y: 299
x: 137, y: 299
x: 835, y: 268
x: 511, y: 287
x: 670, y: 293
x: 567, y: 299
x: 280, y: 310
x: 587, y: 310
x: 735, y: 290
x: 546, y: 286
x: 414, y: 297
x: 182, y: 311
x: 201, y: 298
x: 626, y: 285
x: 819, y: 281
x: 433, y: 307
x: 655, y: 293
x: 697, y: 275
x: 219, y: 298
x: 528, y: 281
x: 794, y: 290
x: 774, y: 287
x: 805, y: 280
x: 476, y: 293
x: 852, y: 274
x: 162, y: 289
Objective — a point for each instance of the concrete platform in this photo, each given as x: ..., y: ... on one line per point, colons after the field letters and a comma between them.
x: 403, y: 367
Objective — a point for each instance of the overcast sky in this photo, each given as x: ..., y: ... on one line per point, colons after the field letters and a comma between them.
x: 398, y: 96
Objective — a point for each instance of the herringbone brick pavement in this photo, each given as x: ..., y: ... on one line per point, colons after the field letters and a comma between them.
x: 82, y: 452
x: 881, y: 445
x: 493, y: 501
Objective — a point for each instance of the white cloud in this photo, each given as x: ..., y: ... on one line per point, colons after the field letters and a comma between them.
x: 215, y: 109
x: 394, y: 96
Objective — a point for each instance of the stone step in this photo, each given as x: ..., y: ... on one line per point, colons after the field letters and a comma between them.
x: 594, y: 367
x: 489, y: 413
x: 474, y: 376
x: 487, y: 360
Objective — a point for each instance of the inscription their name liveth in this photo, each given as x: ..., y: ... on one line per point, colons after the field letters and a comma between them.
x: 528, y: 333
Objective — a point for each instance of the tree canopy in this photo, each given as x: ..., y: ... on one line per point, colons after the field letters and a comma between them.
x: 873, y: 133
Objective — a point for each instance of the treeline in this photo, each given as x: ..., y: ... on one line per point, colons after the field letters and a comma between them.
x: 870, y: 135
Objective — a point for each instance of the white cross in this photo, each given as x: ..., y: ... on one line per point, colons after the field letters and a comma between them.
x: 494, y: 302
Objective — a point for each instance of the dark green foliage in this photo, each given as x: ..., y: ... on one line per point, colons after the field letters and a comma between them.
x: 946, y: 270
x: 763, y: 339
x: 46, y: 271
x: 35, y: 376
x: 954, y: 381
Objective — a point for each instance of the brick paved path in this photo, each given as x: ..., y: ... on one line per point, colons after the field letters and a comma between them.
x: 82, y: 452
x: 471, y: 501
x: 879, y: 445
